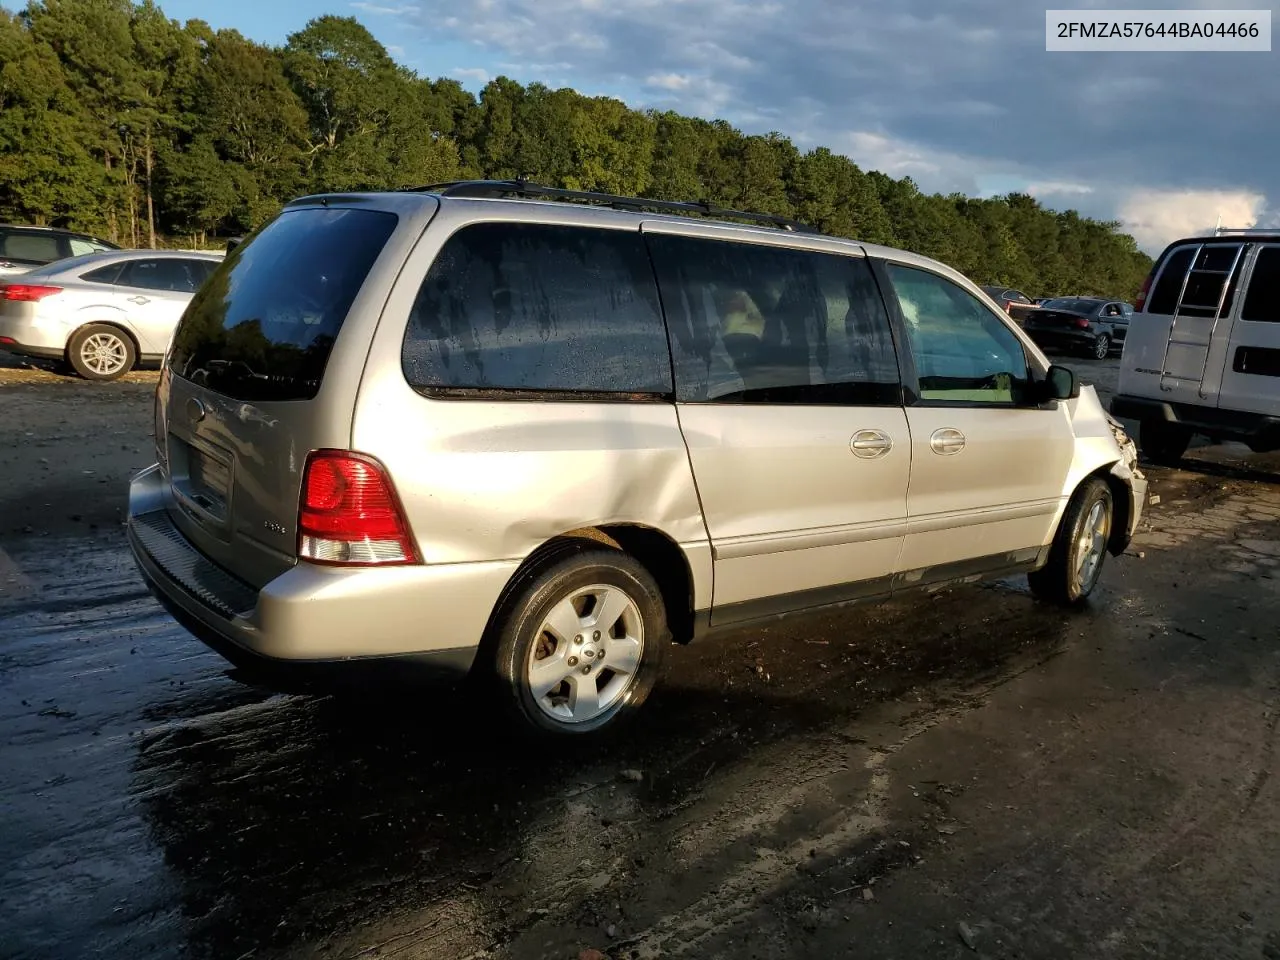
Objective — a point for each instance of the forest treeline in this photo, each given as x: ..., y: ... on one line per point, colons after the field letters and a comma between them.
x: 120, y: 121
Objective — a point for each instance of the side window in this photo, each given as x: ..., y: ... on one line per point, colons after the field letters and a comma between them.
x: 534, y: 307
x: 197, y: 272
x: 1164, y: 297
x: 1216, y: 266
x: 80, y: 247
x: 108, y: 274
x: 39, y: 248
x: 201, y: 270
x: 170, y: 275
x: 1262, y: 302
x: 752, y: 323
x: 963, y: 353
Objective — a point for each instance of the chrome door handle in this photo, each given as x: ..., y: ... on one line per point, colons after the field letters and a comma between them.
x: 139, y: 300
x: 869, y: 444
x: 946, y: 441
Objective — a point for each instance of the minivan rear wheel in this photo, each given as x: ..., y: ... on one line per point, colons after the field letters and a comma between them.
x: 580, y: 644
x: 1079, y: 547
x: 1101, y: 347
x: 1163, y: 442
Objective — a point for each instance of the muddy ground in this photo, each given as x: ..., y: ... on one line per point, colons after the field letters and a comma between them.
x: 963, y: 774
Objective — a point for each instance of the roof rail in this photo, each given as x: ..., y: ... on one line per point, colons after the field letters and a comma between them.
x: 1244, y: 231
x: 494, y: 189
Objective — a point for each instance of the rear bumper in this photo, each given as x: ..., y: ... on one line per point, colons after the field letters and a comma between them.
x: 312, y: 625
x: 23, y: 334
x: 1260, y: 431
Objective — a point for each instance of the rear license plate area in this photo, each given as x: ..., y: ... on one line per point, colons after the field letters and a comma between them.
x: 201, y: 479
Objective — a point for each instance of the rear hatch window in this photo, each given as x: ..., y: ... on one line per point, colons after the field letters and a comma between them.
x: 262, y: 327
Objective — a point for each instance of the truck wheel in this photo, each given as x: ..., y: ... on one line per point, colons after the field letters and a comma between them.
x: 1163, y: 442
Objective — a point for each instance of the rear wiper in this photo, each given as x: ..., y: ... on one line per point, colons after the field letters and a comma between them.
x: 233, y: 370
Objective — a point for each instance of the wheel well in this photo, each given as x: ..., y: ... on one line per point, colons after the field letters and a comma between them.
x: 1120, y: 508
x: 659, y: 554
x: 664, y: 559
x: 137, y: 347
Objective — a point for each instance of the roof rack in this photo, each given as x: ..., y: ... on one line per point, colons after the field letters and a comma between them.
x: 495, y: 189
x: 1244, y: 231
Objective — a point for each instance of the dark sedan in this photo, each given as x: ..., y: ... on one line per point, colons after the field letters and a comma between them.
x: 1080, y: 325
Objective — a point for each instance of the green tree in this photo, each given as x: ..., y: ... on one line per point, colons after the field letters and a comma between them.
x: 46, y: 173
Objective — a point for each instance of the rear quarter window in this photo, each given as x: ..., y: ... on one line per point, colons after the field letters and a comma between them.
x: 263, y: 325
x: 539, y: 309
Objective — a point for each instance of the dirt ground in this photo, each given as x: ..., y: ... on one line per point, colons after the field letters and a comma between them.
x: 967, y: 773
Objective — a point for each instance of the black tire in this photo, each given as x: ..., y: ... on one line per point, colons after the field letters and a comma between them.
x: 1163, y: 442
x: 1101, y: 347
x: 1063, y: 580
x: 518, y: 637
x: 101, y: 352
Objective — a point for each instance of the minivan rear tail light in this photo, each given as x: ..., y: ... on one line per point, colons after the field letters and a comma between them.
x: 349, y: 513
x: 1140, y: 304
x: 26, y: 292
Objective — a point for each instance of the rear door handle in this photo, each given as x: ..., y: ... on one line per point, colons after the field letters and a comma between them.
x: 870, y: 444
x: 139, y: 300
x: 946, y: 441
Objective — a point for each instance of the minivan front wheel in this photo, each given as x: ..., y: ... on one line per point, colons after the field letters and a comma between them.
x: 581, y: 643
x: 1079, y: 547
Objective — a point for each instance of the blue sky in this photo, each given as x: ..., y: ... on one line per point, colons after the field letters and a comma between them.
x: 958, y: 94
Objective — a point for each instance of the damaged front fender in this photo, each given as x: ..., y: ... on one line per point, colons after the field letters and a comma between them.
x: 1126, y: 476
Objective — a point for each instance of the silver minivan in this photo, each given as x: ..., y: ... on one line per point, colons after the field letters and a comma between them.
x: 535, y: 436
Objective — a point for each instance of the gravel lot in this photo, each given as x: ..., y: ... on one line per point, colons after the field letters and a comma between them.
x: 967, y: 773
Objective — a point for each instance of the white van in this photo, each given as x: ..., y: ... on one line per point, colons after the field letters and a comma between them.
x: 1203, y: 350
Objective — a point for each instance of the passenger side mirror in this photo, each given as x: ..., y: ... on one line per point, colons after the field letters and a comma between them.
x: 1060, y: 384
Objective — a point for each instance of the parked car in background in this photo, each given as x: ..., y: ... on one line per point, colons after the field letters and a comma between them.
x: 1012, y: 301
x: 466, y: 429
x: 103, y: 313
x: 1089, y: 325
x: 26, y: 248
x: 1203, y: 355
x: 1004, y: 296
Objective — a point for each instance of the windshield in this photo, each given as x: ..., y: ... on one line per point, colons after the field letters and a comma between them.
x: 262, y: 326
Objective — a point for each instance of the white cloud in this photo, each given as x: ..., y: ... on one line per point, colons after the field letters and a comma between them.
x: 1058, y: 188
x: 382, y: 10
x: 953, y: 94
x: 932, y: 169
x: 1156, y: 217
x: 471, y: 73
x: 667, y: 81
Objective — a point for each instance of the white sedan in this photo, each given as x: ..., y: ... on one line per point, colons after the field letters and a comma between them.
x: 104, y: 312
